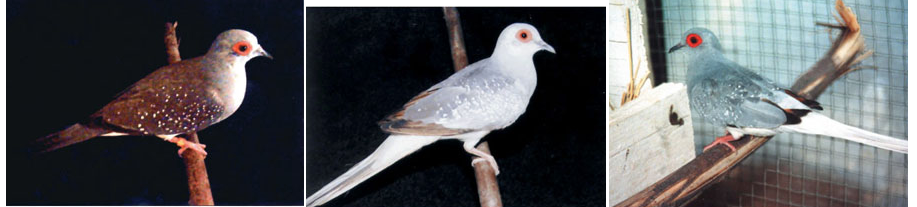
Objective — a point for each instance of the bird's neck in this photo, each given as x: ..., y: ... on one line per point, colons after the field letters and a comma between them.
x: 516, y: 65
x: 512, y: 59
x: 700, y: 61
x: 231, y: 69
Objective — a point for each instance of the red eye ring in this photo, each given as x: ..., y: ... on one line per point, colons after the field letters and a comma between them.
x: 694, y: 40
x: 242, y: 48
x: 524, y: 35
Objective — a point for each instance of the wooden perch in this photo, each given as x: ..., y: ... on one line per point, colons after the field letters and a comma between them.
x: 171, y: 41
x: 198, y: 183
x: 685, y: 184
x: 457, y: 43
x: 843, y: 53
x: 488, y: 190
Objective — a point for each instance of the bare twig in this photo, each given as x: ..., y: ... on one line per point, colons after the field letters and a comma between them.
x: 630, y: 94
x: 171, y: 41
x: 686, y: 183
x: 488, y: 191
x: 459, y: 58
x: 636, y: 84
x: 845, y: 51
x: 198, y: 183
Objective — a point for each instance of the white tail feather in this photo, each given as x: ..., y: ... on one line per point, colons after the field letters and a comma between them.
x: 390, y: 151
x: 815, y: 123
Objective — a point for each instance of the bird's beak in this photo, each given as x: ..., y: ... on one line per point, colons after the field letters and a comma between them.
x: 546, y: 47
x: 262, y: 52
x: 676, y: 47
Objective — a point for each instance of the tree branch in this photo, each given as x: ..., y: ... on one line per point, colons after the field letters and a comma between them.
x: 459, y: 58
x: 488, y: 190
x: 686, y: 183
x: 171, y: 41
x: 845, y: 51
x: 198, y: 183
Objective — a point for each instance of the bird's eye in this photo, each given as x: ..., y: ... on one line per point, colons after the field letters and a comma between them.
x: 242, y: 48
x: 524, y: 35
x: 694, y: 40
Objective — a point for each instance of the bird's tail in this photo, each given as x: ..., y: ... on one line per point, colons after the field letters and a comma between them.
x: 392, y: 149
x: 72, y: 135
x: 815, y: 123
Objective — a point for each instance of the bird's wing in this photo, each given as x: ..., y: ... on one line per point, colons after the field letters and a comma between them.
x: 165, y: 102
x: 396, y: 123
x: 734, y: 96
x: 472, y: 99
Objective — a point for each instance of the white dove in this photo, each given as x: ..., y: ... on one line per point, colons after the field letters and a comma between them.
x: 727, y: 94
x: 487, y: 95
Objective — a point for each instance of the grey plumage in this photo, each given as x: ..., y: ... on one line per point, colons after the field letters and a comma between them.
x: 727, y: 94
x: 731, y: 96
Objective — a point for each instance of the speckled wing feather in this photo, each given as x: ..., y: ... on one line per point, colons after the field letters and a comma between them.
x: 396, y: 124
x: 728, y: 94
x: 472, y: 99
x: 171, y: 100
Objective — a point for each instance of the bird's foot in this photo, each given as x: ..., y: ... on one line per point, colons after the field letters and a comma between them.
x: 185, y: 145
x: 482, y: 156
x: 724, y: 140
x: 489, y: 159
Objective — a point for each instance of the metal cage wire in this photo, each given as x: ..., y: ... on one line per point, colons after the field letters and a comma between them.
x: 780, y: 40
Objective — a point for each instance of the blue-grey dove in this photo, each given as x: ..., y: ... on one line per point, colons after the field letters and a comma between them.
x: 176, y: 99
x: 487, y: 95
x: 727, y: 94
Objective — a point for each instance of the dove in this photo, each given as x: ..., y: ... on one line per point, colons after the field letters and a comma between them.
x: 726, y: 94
x: 180, y: 98
x: 487, y: 95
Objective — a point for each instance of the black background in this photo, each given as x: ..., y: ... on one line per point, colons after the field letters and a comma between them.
x: 67, y: 59
x: 364, y: 63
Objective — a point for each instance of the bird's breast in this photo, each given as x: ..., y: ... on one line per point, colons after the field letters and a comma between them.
x: 234, y: 90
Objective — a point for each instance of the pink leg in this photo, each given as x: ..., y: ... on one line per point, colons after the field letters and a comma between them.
x: 185, y: 144
x: 482, y: 156
x: 724, y: 140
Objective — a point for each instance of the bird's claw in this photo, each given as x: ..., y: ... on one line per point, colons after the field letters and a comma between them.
x: 185, y: 145
x: 193, y: 146
x: 724, y: 140
x: 493, y: 163
x: 481, y: 156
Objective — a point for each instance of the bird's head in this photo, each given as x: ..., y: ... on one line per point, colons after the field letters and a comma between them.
x: 237, y: 45
x: 521, y: 39
x: 697, y: 39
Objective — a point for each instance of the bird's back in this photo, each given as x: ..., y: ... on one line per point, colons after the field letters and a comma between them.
x: 178, y: 98
x: 726, y: 93
x: 477, y: 97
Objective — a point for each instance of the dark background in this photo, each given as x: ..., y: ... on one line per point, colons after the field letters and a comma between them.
x: 364, y: 63
x: 67, y: 59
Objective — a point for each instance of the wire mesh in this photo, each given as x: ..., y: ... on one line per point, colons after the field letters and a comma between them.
x: 780, y: 40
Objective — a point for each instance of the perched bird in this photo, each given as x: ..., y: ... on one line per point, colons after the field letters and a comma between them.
x: 180, y: 98
x: 487, y: 95
x: 727, y: 94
